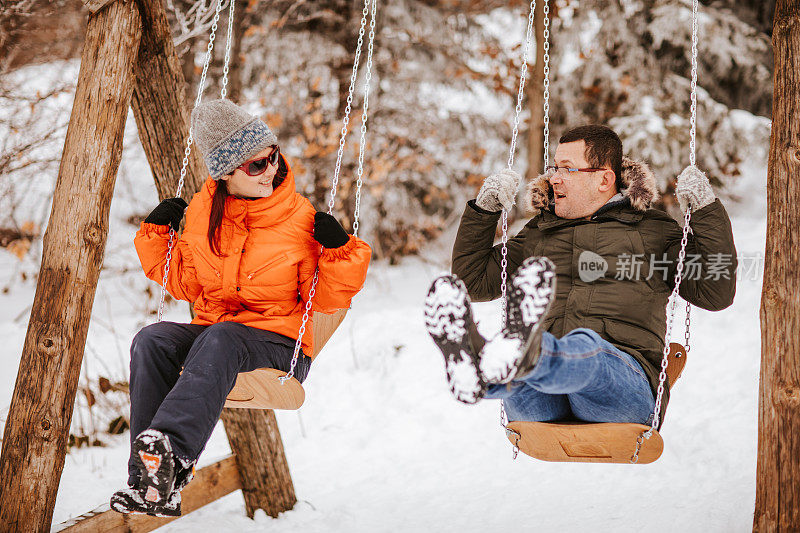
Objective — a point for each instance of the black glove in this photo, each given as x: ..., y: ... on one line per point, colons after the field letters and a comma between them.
x: 169, y: 211
x: 328, y: 232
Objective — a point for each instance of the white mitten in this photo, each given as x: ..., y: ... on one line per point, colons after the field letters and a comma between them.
x: 693, y: 188
x: 499, y: 191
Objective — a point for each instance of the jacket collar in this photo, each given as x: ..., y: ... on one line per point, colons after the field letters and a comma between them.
x: 620, y: 211
x: 263, y: 212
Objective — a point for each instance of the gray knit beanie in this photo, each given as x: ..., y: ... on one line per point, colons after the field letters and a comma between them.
x: 228, y: 135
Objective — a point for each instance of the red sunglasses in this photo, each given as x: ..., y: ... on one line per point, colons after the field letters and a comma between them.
x: 258, y: 166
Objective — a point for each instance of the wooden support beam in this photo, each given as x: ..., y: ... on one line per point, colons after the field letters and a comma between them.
x: 37, y: 427
x: 263, y: 469
x: 160, y: 106
x: 210, y: 484
x: 778, y: 471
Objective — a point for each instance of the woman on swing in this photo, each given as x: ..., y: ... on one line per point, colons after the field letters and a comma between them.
x: 246, y: 259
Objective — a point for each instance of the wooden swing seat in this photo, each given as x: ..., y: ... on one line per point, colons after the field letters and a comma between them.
x: 590, y: 442
x: 261, y: 388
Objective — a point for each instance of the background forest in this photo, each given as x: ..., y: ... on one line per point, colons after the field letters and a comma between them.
x: 446, y: 75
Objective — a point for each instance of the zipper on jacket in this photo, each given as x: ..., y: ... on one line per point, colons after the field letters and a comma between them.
x: 267, y: 264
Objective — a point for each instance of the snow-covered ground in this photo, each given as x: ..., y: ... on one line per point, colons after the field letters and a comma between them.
x: 381, y: 446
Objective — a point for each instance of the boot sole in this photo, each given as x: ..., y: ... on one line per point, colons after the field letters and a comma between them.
x: 447, y: 312
x: 153, y: 457
x: 124, y: 503
x: 530, y: 294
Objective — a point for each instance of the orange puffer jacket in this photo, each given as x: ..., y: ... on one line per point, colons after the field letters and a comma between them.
x: 267, y: 265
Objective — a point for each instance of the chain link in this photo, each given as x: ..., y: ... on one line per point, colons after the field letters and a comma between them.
x: 224, y: 90
x: 520, y: 92
x: 512, y: 149
x: 366, y: 11
x: 348, y: 107
x: 693, y: 122
x: 546, y: 94
x: 662, y: 377
x: 364, y: 115
x: 504, y: 423
x: 188, y: 150
x: 687, y: 328
x: 504, y: 266
x: 166, y: 273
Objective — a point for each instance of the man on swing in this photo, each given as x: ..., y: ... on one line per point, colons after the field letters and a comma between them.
x: 589, y: 279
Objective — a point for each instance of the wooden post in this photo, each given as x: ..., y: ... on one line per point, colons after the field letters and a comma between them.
x: 534, y: 89
x: 159, y: 106
x: 778, y: 473
x: 35, y: 438
x: 256, y: 442
x: 163, y: 122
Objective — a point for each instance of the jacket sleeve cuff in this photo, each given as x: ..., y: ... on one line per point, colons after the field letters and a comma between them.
x: 474, y: 205
x: 713, y: 212
x: 148, y: 227
x: 343, y: 251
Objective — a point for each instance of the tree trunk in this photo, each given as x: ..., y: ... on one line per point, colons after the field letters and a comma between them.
x: 35, y: 439
x: 242, y: 17
x: 535, y: 91
x: 778, y: 472
x: 159, y: 106
x: 255, y: 440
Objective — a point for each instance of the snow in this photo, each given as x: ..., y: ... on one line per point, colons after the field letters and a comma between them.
x: 381, y: 446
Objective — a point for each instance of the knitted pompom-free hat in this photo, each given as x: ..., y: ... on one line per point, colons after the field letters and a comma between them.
x: 227, y: 135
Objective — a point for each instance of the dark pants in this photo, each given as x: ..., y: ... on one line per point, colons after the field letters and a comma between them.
x: 186, y: 406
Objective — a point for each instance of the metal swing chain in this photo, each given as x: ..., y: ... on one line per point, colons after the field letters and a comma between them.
x: 228, y: 42
x: 348, y: 108
x: 546, y: 93
x: 662, y: 377
x: 188, y: 150
x: 370, y: 8
x: 363, y: 141
x: 692, y: 145
x: 512, y: 149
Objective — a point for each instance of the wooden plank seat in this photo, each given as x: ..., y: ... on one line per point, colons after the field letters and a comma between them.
x: 590, y: 442
x: 262, y: 389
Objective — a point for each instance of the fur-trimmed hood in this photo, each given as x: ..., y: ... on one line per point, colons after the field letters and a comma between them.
x: 638, y: 185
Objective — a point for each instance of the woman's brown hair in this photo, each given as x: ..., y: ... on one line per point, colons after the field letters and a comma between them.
x: 221, y: 196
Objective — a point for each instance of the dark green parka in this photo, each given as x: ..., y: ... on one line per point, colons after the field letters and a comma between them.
x: 639, y: 245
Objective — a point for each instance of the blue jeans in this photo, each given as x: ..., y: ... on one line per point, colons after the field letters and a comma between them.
x: 579, y: 376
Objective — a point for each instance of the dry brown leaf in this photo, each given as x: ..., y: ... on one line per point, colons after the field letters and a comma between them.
x: 29, y: 227
x: 19, y: 248
x: 89, y: 397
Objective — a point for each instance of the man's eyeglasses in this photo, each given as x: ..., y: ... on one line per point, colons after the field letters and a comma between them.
x: 259, y: 166
x: 567, y: 171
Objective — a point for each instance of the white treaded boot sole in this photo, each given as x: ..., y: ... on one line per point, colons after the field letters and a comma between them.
x: 530, y: 292
x: 152, y: 454
x: 447, y: 315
